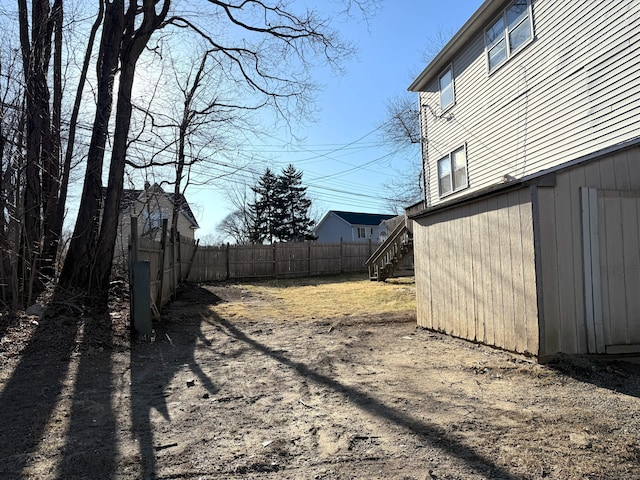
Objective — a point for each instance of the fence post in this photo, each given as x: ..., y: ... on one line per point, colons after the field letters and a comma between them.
x: 341, y: 254
x: 163, y: 247
x: 309, y: 253
x: 275, y: 269
x: 133, y: 258
x: 193, y: 256
x: 174, y: 283
x: 227, y: 263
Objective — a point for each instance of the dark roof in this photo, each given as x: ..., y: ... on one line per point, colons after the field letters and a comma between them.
x: 362, y: 218
x: 129, y: 196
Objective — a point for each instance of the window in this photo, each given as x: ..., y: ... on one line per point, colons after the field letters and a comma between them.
x: 151, y: 221
x: 510, y: 32
x: 452, y: 172
x: 362, y: 232
x: 447, y: 96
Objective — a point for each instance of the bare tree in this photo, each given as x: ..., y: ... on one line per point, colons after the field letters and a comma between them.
x: 82, y: 253
x: 42, y: 139
x: 402, y: 132
x: 236, y: 225
x: 12, y: 160
x: 269, y: 55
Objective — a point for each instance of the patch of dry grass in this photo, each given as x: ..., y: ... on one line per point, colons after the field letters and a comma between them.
x: 321, y: 298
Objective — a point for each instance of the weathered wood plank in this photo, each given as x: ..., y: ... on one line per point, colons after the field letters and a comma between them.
x: 517, y: 273
x: 548, y: 253
x: 530, y: 300
x: 610, y: 215
x: 630, y: 206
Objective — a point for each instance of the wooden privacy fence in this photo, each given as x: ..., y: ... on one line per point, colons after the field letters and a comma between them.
x: 169, y: 261
x: 280, y: 260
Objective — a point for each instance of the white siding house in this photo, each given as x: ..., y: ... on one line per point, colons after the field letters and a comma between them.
x: 527, y: 238
x: 152, y: 205
x: 338, y: 226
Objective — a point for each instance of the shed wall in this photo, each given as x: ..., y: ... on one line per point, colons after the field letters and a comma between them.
x: 562, y: 264
x: 475, y: 272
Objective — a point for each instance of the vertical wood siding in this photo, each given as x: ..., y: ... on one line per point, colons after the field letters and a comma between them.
x: 573, y: 91
x: 475, y: 272
x: 561, y: 251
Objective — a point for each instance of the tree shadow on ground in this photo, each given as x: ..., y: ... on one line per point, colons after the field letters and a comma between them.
x: 29, y: 404
x: 432, y: 434
x: 90, y: 449
x: 154, y: 365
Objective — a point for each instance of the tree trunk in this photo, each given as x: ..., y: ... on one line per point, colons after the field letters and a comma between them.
x: 36, y: 54
x: 51, y: 171
x: 66, y: 167
x: 77, y: 272
x: 133, y: 44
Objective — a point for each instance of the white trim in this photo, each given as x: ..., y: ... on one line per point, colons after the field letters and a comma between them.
x: 449, y: 70
x: 506, y: 38
x: 449, y: 156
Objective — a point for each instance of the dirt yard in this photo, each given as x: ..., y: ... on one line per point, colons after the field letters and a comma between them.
x: 234, y: 386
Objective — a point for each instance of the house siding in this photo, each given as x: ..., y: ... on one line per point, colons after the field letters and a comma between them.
x: 475, y: 272
x: 160, y: 203
x: 572, y: 91
x: 333, y: 229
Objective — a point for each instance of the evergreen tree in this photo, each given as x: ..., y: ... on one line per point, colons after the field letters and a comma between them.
x: 295, y: 224
x: 280, y: 211
x: 264, y: 210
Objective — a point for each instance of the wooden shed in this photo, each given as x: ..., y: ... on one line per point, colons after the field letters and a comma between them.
x: 545, y: 264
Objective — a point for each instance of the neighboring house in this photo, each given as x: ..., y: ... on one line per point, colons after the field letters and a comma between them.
x: 528, y: 236
x: 351, y: 227
x: 152, y: 205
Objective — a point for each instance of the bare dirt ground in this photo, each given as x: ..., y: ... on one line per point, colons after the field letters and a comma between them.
x: 351, y: 396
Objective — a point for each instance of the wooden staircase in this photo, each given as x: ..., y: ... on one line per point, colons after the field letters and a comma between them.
x: 390, y: 255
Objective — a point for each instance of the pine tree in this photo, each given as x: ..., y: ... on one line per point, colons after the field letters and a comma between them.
x: 295, y: 224
x: 280, y: 211
x: 264, y: 210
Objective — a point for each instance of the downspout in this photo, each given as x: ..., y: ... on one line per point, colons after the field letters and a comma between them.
x: 424, y: 151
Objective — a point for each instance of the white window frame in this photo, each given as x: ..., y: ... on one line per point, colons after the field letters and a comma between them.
x: 506, y: 35
x: 449, y: 86
x: 364, y: 232
x: 448, y: 160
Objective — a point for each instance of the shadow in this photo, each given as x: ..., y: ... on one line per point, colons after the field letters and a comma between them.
x: 31, y: 395
x: 432, y: 434
x: 616, y: 374
x: 90, y: 449
x: 154, y: 365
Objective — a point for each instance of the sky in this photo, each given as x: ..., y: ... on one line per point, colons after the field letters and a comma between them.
x: 342, y: 156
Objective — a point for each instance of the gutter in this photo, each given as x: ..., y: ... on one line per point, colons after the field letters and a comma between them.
x: 544, y: 178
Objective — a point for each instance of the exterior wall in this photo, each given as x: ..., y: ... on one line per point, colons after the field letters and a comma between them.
x: 475, y: 272
x: 333, y: 229
x: 561, y: 257
x: 158, y: 203
x: 372, y: 231
x: 574, y: 90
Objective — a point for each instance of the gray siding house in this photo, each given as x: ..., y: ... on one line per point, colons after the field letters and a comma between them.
x: 528, y: 237
x: 351, y: 227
